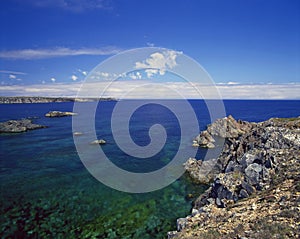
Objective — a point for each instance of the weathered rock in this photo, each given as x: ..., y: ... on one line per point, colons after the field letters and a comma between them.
x: 243, y: 194
x: 18, y: 126
x: 181, y: 223
x: 204, y: 139
x: 253, y: 172
x: 59, y: 114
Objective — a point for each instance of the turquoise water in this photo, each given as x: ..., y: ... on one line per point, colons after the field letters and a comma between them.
x: 46, y: 192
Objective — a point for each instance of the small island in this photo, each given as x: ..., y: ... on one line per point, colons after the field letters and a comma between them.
x: 19, y: 126
x: 52, y: 114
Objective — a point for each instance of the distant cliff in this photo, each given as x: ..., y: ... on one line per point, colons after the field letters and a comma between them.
x: 38, y: 99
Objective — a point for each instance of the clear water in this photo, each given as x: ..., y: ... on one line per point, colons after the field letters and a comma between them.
x: 46, y: 192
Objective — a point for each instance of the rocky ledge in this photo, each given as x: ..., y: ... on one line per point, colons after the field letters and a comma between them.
x: 18, y: 126
x: 255, y: 182
x: 59, y: 114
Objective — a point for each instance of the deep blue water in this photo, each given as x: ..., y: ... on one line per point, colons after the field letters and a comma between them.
x: 47, y: 192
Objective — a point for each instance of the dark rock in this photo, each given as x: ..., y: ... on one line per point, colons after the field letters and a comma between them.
x: 243, y: 194
x: 250, y: 190
x: 18, y: 126
x: 219, y: 203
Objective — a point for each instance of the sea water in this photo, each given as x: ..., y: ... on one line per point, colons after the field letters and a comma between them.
x: 46, y: 192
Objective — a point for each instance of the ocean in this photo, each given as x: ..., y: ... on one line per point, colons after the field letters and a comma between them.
x: 46, y: 191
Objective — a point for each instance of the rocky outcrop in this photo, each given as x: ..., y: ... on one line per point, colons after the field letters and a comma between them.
x: 226, y: 127
x: 18, y: 126
x: 59, y: 114
x: 253, y: 161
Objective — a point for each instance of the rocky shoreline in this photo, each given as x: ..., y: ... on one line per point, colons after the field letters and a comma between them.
x: 254, y: 184
x: 38, y: 99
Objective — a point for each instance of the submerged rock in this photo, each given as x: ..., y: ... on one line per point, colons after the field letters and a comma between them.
x: 98, y: 141
x: 59, y: 114
x: 18, y: 126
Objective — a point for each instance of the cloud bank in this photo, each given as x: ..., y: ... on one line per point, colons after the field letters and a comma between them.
x: 166, y: 90
x: 32, y: 54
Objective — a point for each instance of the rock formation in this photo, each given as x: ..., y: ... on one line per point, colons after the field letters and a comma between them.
x: 257, y: 162
x: 18, y: 126
x: 59, y: 114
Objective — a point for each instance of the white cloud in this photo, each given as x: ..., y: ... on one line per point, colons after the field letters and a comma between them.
x: 75, y: 6
x: 74, y: 77
x: 135, y: 75
x: 12, y: 77
x: 83, y: 72
x: 159, y: 62
x: 53, y: 79
x: 31, y: 54
x: 13, y: 72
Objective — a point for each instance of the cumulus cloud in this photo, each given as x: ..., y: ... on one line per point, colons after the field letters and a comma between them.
x: 135, y: 75
x: 159, y: 62
x: 53, y: 79
x: 74, y: 77
x: 31, y: 54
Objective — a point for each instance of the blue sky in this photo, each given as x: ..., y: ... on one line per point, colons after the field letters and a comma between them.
x: 54, y: 44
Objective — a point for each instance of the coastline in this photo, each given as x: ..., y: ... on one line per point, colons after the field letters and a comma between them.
x: 39, y: 99
x: 254, y: 185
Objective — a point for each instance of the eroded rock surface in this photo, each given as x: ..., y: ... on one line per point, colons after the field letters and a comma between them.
x: 259, y: 163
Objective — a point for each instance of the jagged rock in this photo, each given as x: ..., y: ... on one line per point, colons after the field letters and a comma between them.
x: 181, y: 223
x: 59, y: 114
x: 18, y: 126
x: 200, y: 171
x: 205, y: 140
x: 172, y: 234
x: 251, y: 156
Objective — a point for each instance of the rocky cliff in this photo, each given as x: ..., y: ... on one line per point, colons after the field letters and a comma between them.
x: 255, y: 182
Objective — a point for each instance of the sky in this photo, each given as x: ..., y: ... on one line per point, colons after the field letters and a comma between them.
x: 250, y: 48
